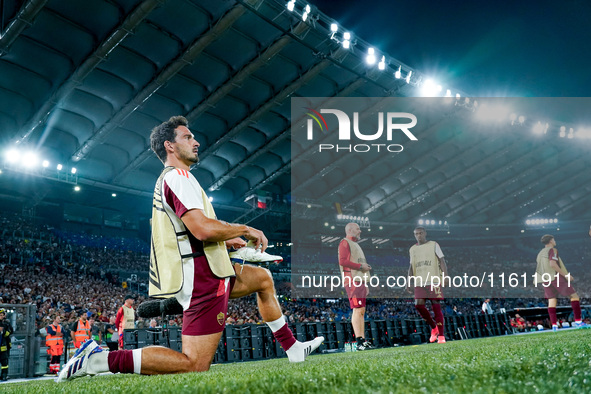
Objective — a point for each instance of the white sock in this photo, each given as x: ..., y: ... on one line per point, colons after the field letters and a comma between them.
x: 137, y: 361
x: 276, y: 324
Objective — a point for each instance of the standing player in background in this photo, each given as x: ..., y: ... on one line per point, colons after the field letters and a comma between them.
x: 426, y: 261
x: 353, y: 264
x: 556, y: 281
x: 125, y: 318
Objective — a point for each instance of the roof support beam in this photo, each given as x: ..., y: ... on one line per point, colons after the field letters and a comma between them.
x: 23, y: 19
x: 136, y: 17
x: 194, y: 50
x: 349, y: 89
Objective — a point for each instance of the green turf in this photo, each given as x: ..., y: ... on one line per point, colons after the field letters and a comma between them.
x: 545, y: 363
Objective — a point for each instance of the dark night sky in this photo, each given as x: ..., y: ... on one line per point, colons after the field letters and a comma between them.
x: 485, y: 48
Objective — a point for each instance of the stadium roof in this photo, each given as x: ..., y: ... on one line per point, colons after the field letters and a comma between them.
x: 83, y: 83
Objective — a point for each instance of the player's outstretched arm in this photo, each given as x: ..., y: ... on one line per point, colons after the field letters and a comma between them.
x: 213, y: 230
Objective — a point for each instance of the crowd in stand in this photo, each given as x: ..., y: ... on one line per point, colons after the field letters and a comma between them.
x: 70, y: 273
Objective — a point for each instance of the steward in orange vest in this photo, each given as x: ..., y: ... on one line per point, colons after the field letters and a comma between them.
x: 80, y: 331
x: 55, y: 344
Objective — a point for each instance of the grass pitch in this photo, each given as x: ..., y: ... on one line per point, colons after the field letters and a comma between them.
x: 545, y: 363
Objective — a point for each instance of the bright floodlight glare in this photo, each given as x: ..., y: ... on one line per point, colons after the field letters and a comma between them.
x: 30, y: 159
x: 77, y: 188
x: 429, y: 88
x: 113, y: 194
x: 420, y: 221
x: 448, y: 93
x: 562, y: 133
x: 210, y: 198
x: 304, y: 16
x: 513, y: 117
x: 521, y: 119
x: 538, y: 128
x: 346, y: 44
x: 381, y: 227
x: 382, y: 63
x: 528, y: 222
x: 308, y: 9
x: 74, y: 170
x: 59, y: 167
x: 371, y: 57
x: 325, y: 224
x: 346, y: 35
x: 398, y: 73
x: 334, y: 27
x: 290, y: 5
x: 458, y: 96
x: 45, y: 163
x: 12, y: 156
x: 332, y: 227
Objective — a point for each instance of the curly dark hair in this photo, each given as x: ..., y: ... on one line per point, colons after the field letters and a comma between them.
x: 165, y: 132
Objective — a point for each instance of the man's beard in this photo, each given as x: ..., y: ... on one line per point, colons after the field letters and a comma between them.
x: 192, y: 159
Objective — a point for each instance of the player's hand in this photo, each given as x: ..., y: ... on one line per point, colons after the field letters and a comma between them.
x: 365, y: 267
x: 235, y: 243
x: 257, y: 237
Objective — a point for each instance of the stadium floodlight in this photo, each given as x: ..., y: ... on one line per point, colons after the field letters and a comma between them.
x: 522, y: 231
x: 382, y: 63
x: 487, y: 229
x: 332, y: 227
x: 210, y: 199
x: 308, y: 9
x: 45, y: 163
x: 448, y: 93
x: 440, y: 222
x: 562, y: 133
x: 381, y: 227
x: 12, y: 156
x: 77, y: 188
x: 555, y: 220
x: 304, y: 16
x: 334, y: 27
x: 538, y: 128
x: 113, y: 194
x: 521, y: 119
x: 346, y: 44
x: 290, y: 5
x: 59, y: 167
x: 429, y: 88
x: 458, y: 96
x: 398, y: 73
x: 408, y: 76
x: 571, y: 133
x: 339, y: 216
x: 30, y: 159
x: 346, y: 36
x: 528, y: 222
x: 421, y: 221
x: 73, y: 170
x: 325, y: 224
x: 371, y: 56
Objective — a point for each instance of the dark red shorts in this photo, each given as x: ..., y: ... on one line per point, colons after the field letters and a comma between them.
x: 356, y: 296
x: 558, y: 287
x: 209, y: 303
x: 428, y: 293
